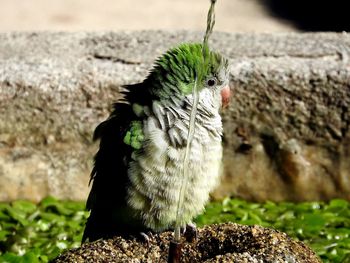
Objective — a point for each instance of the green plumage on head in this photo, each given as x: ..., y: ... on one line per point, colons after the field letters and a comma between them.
x: 177, y: 70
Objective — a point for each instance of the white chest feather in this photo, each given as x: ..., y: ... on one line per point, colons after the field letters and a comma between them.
x: 156, y: 171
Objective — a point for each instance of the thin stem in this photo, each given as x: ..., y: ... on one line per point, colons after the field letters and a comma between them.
x: 192, y: 123
x: 185, y: 169
x: 210, y: 22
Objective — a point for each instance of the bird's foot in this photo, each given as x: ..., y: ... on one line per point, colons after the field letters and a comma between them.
x: 145, y: 238
x: 190, y: 232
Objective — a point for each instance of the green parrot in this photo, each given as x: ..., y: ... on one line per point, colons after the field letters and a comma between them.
x: 137, y: 172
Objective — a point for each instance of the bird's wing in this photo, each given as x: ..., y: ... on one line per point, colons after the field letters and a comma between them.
x: 109, y: 175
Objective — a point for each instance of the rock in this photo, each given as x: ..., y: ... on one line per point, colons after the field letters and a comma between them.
x: 286, y: 131
x: 216, y: 243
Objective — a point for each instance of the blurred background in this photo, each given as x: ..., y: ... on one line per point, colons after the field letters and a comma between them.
x: 73, y: 15
x: 232, y: 15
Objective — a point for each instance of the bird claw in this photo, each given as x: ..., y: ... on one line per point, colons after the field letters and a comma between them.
x: 190, y: 232
x: 145, y: 238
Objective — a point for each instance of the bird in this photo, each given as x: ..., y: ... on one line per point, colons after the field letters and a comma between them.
x: 136, y: 178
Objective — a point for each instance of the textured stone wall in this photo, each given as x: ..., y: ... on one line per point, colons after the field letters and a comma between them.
x: 286, y: 130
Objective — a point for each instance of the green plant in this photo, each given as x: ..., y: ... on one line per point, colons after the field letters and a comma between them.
x: 325, y: 227
x: 39, y: 232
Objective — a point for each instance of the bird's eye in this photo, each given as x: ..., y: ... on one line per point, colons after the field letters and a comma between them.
x: 211, y: 82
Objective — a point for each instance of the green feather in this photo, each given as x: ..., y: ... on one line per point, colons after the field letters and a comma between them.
x: 180, y: 66
x: 137, y: 109
x: 134, y: 136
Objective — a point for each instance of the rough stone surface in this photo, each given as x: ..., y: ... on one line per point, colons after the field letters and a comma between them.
x: 216, y: 243
x: 286, y: 130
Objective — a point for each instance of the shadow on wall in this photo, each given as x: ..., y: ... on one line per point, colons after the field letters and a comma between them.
x: 312, y: 15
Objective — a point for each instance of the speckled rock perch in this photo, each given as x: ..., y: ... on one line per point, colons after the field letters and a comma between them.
x: 287, y: 131
x: 216, y: 243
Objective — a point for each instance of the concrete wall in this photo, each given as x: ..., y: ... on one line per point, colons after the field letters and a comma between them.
x: 286, y: 130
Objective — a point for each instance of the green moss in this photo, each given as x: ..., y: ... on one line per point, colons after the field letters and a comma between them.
x: 38, y: 233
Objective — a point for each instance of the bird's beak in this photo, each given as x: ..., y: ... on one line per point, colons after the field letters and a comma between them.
x: 225, y: 96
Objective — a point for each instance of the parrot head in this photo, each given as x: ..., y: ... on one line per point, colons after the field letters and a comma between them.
x: 177, y: 72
